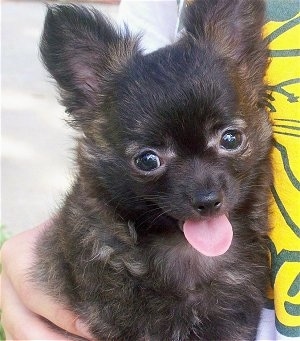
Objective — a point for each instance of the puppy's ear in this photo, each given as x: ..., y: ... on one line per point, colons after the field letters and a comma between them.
x: 233, y: 29
x: 81, y: 50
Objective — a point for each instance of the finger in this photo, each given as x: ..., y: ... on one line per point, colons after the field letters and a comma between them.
x: 21, y: 324
x: 38, y: 302
x: 34, y: 299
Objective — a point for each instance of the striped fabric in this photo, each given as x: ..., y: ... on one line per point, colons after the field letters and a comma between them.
x: 283, y: 31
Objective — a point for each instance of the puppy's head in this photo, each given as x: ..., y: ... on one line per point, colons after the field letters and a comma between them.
x: 178, y: 135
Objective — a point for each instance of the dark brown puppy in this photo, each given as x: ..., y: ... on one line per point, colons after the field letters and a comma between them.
x: 163, y: 234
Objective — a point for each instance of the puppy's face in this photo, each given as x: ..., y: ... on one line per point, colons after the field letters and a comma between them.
x: 177, y: 145
x: 178, y: 134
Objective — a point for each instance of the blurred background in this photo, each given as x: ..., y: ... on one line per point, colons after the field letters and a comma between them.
x: 36, y: 160
x: 36, y: 151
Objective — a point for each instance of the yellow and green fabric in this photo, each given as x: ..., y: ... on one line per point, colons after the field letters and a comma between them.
x: 283, y: 31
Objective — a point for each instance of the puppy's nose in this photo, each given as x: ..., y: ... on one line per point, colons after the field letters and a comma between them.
x: 208, y: 202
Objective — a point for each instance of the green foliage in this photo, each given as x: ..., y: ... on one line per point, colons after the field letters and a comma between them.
x: 4, y: 235
x: 2, y: 335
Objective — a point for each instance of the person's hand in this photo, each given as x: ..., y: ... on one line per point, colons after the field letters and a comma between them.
x: 24, y: 308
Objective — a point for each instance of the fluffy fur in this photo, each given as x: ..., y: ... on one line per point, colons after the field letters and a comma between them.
x: 116, y: 253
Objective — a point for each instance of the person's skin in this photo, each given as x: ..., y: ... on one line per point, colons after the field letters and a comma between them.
x: 22, y: 305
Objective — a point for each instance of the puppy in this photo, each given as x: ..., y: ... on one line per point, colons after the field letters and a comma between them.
x: 163, y: 235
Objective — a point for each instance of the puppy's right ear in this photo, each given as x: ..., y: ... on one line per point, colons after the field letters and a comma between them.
x: 81, y: 50
x: 233, y: 30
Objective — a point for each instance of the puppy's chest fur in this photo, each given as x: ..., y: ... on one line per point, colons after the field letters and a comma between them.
x: 153, y: 288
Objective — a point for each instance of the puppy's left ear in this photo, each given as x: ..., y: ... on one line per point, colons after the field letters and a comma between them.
x: 233, y: 29
x: 82, y: 50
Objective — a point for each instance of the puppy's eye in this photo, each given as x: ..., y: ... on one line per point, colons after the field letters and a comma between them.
x: 231, y: 139
x: 147, y: 161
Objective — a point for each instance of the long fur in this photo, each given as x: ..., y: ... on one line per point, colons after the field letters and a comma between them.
x: 116, y: 253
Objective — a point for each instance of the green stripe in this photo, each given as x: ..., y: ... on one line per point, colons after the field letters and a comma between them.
x: 285, y: 53
x: 287, y: 82
x: 295, y: 287
x: 279, y: 10
x: 271, y: 107
x: 286, y: 120
x: 285, y: 126
x: 285, y: 159
x: 287, y: 330
x: 290, y: 24
x: 293, y: 226
x: 288, y: 134
x: 292, y: 309
x: 279, y: 88
x: 274, y: 262
x: 277, y: 261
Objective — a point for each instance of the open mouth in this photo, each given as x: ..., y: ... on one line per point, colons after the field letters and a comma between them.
x: 212, y: 236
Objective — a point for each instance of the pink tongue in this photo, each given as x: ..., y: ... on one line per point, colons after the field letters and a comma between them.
x: 211, y: 237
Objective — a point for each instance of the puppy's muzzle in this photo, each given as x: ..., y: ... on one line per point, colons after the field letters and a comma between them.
x: 208, y: 202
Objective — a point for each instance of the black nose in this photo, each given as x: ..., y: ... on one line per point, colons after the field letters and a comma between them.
x: 208, y: 202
